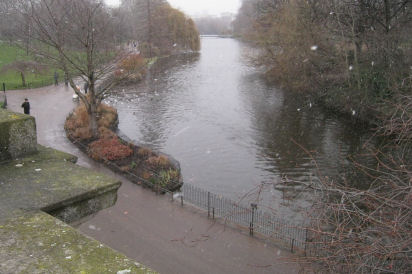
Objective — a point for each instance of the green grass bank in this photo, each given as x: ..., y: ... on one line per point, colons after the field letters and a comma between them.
x: 12, y: 78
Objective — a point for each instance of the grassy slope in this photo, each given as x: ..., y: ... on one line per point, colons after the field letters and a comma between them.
x: 12, y: 79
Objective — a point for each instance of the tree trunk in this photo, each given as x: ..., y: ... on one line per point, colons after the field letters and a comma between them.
x: 93, y: 120
x: 23, y: 79
x: 93, y: 108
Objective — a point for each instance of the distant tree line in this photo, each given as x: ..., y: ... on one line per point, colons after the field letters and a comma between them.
x: 158, y: 27
x: 215, y: 25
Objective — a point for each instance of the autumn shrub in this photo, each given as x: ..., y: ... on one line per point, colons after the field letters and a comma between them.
x: 82, y: 133
x: 160, y: 161
x: 132, y: 63
x: 81, y: 117
x: 105, y: 133
x: 109, y: 149
x: 119, y: 73
x: 144, y: 152
x: 108, y: 116
x: 77, y: 124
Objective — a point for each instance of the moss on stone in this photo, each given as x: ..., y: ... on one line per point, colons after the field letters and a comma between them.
x: 49, y: 180
x: 32, y: 241
x: 39, y: 243
x: 17, y: 135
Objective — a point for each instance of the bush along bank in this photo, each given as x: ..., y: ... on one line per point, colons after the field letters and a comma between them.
x: 139, y: 164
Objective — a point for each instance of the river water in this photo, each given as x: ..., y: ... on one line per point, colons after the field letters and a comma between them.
x: 232, y: 132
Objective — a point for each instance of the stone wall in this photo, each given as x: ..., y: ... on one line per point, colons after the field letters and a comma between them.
x: 17, y: 135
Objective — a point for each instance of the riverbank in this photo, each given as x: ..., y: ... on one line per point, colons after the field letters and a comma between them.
x: 35, y: 209
x: 138, y: 163
x: 145, y: 226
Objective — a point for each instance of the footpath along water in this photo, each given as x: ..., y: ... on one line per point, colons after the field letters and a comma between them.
x: 232, y: 132
x: 147, y: 227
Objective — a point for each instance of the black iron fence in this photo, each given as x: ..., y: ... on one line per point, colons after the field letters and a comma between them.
x: 286, y: 234
x: 290, y: 236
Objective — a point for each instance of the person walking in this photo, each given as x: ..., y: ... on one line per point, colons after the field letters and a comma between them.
x: 26, y: 106
x: 56, y: 78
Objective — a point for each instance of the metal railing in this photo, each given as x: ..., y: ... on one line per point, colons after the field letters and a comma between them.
x: 290, y: 236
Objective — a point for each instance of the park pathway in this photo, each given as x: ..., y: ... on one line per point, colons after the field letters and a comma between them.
x: 149, y: 228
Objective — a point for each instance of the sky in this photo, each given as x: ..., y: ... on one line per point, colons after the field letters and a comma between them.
x: 200, y: 7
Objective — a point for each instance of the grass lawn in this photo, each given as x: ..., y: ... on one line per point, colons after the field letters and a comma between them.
x: 12, y: 79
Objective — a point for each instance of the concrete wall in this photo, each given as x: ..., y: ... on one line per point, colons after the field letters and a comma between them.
x: 17, y: 135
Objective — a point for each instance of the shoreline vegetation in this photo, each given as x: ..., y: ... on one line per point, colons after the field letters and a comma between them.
x: 139, y: 164
x: 355, y: 58
x: 348, y: 57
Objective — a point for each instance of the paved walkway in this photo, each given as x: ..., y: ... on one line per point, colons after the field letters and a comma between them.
x: 149, y: 228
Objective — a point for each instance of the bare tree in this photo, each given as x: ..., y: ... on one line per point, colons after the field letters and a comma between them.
x: 77, y: 36
x: 9, y: 17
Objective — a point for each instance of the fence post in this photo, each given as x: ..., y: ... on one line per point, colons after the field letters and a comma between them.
x: 293, y: 242
x: 172, y: 195
x: 181, y: 199
x: 208, y: 204
x: 254, y: 207
x: 213, y: 213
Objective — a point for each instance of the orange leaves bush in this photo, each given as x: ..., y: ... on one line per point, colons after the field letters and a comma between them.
x: 160, y: 161
x: 108, y: 116
x: 109, y: 149
x: 132, y: 63
x: 144, y: 152
x: 77, y: 124
x: 105, y: 133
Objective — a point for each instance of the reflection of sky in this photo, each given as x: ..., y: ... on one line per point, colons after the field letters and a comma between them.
x: 199, y: 7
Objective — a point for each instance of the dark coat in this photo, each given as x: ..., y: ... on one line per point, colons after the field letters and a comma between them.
x: 26, y: 106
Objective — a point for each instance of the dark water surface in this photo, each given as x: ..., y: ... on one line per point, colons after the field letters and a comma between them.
x: 231, y: 131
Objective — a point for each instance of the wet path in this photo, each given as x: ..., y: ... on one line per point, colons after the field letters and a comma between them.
x: 149, y: 228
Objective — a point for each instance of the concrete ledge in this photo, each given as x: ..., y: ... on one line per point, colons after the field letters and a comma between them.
x: 17, y: 135
x: 32, y: 241
x: 38, y: 243
x: 50, y: 181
